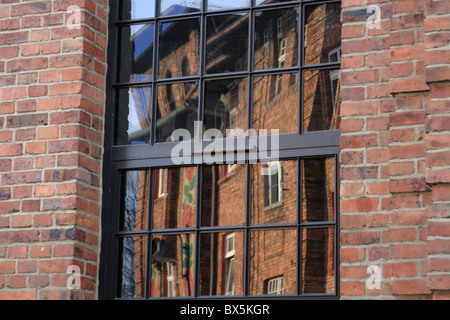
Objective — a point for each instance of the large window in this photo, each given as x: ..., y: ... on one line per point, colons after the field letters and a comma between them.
x: 182, y: 221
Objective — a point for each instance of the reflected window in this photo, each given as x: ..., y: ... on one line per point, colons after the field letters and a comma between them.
x: 275, y: 286
x: 229, y: 271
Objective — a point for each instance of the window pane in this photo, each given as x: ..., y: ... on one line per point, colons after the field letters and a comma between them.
x: 223, y: 195
x: 171, y: 7
x: 318, y: 189
x: 224, y: 5
x: 262, y: 2
x: 177, y: 109
x: 322, y: 32
x: 132, y: 262
x: 175, y: 207
x: 318, y: 260
x: 274, y: 192
x: 173, y: 265
x: 137, y: 9
x: 275, y: 103
x: 226, y: 105
x: 272, y: 254
x: 276, y: 39
x: 134, y: 204
x: 221, y: 271
x: 320, y: 99
x: 178, y: 39
x: 136, y: 53
x: 227, y: 43
x: 133, y: 115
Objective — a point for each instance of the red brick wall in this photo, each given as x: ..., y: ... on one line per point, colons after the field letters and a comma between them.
x: 395, y: 168
x: 51, y: 124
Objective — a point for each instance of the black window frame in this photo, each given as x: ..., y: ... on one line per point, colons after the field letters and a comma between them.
x: 118, y: 158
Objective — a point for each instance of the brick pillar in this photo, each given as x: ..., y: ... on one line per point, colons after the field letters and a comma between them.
x: 394, y: 187
x: 52, y: 79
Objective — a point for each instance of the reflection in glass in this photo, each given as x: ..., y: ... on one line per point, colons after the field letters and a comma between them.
x: 134, y: 204
x: 174, y: 197
x: 275, y: 103
x: 226, y: 105
x: 318, y: 274
x: 321, y: 99
x: 132, y: 262
x: 177, y: 109
x: 136, y: 53
x: 225, y: 5
x: 318, y: 188
x: 173, y: 265
x: 137, y: 9
x: 274, y: 192
x: 322, y: 33
x: 222, y: 264
x: 173, y: 7
x: 177, y: 40
x: 133, y: 115
x: 276, y: 39
x: 262, y: 2
x: 227, y: 43
x: 273, y: 255
x: 223, y: 195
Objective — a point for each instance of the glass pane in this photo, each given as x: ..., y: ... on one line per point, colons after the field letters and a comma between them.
x: 318, y: 188
x: 178, y: 39
x: 132, y: 262
x: 134, y: 205
x: 227, y: 43
x: 223, y: 195
x: 175, y: 197
x: 322, y: 33
x: 274, y: 192
x: 133, y: 115
x: 136, y: 53
x: 275, y: 103
x: 318, y: 260
x: 262, y: 2
x: 137, y: 9
x: 172, y: 7
x: 173, y: 265
x: 226, y: 105
x: 224, y: 5
x: 276, y: 39
x: 273, y: 255
x: 177, y: 109
x: 320, y: 99
x: 221, y: 268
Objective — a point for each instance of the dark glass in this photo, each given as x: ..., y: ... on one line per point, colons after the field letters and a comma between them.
x: 227, y: 43
x: 274, y: 192
x: 273, y: 255
x: 226, y: 5
x: 177, y: 109
x: 178, y: 39
x: 318, y: 189
x: 320, y: 99
x: 174, y: 198
x: 133, y: 115
x: 318, y: 274
x: 222, y: 264
x: 322, y: 33
x: 223, y: 195
x: 275, y: 103
x: 226, y: 105
x: 173, y: 265
x: 276, y: 39
x: 137, y: 9
x: 132, y: 267
x: 134, y: 204
x: 136, y: 53
x: 174, y: 7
